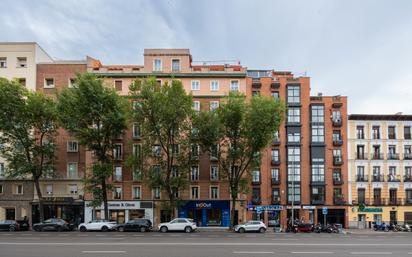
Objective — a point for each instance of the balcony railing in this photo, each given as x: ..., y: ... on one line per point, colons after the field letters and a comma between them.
x: 337, y: 122
x: 377, y: 156
x: 395, y: 201
x: 394, y: 178
x: 275, y: 161
x: 275, y: 200
x: 408, y: 201
x: 256, y: 83
x: 407, y: 156
x: 377, y: 201
x: 378, y: 178
x: 275, y: 181
x: 393, y: 156
x: 337, y: 142
x: 256, y: 182
x: 276, y: 141
x: 339, y: 201
x: 361, y: 156
x: 337, y: 181
x: 407, y: 178
x: 337, y: 160
x: 362, y: 178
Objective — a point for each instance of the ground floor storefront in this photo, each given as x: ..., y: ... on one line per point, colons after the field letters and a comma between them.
x: 207, y: 213
x: 366, y: 217
x: 60, y: 208
x: 121, y: 211
x: 15, y: 210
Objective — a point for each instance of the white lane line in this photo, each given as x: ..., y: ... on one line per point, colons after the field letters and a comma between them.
x: 104, y: 252
x: 139, y: 235
x: 26, y: 234
x: 236, y: 252
x: 284, y: 239
x: 371, y: 253
x: 111, y: 238
x: 312, y: 252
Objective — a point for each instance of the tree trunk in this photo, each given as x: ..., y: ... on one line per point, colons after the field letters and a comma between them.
x: 105, y: 204
x: 233, y: 211
x: 39, y: 195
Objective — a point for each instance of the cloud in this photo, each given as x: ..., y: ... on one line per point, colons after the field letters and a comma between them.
x: 355, y: 48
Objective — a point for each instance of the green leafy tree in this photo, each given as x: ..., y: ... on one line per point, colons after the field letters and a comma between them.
x: 235, y: 134
x: 96, y: 115
x: 164, y: 113
x: 28, y: 123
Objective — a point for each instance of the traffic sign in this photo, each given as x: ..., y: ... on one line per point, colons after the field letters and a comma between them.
x: 325, y: 210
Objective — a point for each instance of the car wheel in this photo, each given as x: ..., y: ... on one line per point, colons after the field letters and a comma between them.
x: 12, y: 228
x: 42, y: 230
x: 142, y: 229
x: 241, y: 230
x: 163, y: 229
x: 262, y: 230
x: 83, y: 229
x: 59, y: 229
x: 36, y: 229
x: 105, y: 229
x: 188, y: 229
x: 120, y: 229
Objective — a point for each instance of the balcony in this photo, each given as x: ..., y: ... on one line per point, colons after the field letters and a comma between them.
x: 378, y: 201
x: 378, y: 178
x: 275, y: 181
x: 393, y: 156
x: 276, y: 200
x: 361, y: 156
x: 337, y: 142
x: 337, y: 160
x: 395, y: 201
x: 256, y: 200
x: 337, y: 181
x: 276, y: 141
x: 337, y: 122
x: 362, y: 178
x: 407, y: 156
x: 408, y: 201
x: 394, y: 178
x: 407, y: 178
x: 275, y: 84
x: 275, y: 161
x: 256, y: 182
x: 256, y: 83
x: 377, y: 156
x: 339, y: 200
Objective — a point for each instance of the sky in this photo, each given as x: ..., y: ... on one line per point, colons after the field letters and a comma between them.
x: 361, y: 49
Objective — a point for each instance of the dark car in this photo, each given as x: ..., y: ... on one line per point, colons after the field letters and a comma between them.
x: 141, y: 225
x: 24, y: 225
x: 53, y: 225
x: 9, y: 225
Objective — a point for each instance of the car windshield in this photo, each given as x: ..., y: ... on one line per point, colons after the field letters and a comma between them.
x: 48, y: 221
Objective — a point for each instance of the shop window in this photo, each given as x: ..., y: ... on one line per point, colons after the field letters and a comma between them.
x: 97, y: 215
x: 214, y: 217
x: 136, y: 214
x: 117, y: 215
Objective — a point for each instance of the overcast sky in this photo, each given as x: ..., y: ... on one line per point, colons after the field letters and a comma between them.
x: 362, y: 49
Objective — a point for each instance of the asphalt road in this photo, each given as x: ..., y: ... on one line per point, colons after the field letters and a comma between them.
x: 202, y: 244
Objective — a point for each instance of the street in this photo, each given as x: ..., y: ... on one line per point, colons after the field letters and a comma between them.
x: 202, y: 244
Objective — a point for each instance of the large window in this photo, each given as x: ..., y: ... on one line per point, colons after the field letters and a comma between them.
x: 234, y: 85
x: 72, y: 170
x: 318, y: 133
x: 256, y: 176
x: 318, y: 172
x: 214, y: 173
x: 293, y: 164
x: 175, y: 65
x: 194, y: 173
x: 214, y: 192
x: 318, y: 194
x: 157, y: 65
x: 293, y: 136
x: 294, y: 192
x: 214, y: 85
x: 195, y: 85
x: 294, y: 115
x: 391, y: 132
x: 293, y: 94
x: 317, y: 113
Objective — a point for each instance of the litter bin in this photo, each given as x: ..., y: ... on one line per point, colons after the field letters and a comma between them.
x: 339, y: 227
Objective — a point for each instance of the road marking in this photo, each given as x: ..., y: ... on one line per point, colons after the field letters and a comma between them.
x: 235, y: 252
x: 111, y: 238
x: 104, y: 252
x: 371, y: 253
x: 284, y: 239
x: 312, y: 252
x: 26, y: 234
x: 138, y: 235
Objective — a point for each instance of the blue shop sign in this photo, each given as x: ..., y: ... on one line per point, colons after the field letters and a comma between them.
x: 207, y: 213
x: 260, y: 208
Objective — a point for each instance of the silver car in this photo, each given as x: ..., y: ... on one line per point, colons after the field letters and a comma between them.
x: 251, y: 226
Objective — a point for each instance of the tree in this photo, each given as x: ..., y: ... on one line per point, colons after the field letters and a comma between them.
x: 95, y: 115
x: 165, y: 114
x: 235, y: 134
x: 28, y: 123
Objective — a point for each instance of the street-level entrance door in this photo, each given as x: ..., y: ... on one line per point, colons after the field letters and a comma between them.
x: 10, y: 214
x: 361, y: 221
x: 392, y: 217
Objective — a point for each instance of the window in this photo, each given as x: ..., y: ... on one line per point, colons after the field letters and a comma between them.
x: 318, y: 194
x: 293, y: 136
x: 408, y: 173
x: 1, y: 189
x: 118, y: 85
x: 21, y: 62
x: 255, y: 93
x: 336, y: 176
x: 117, y: 176
x: 118, y: 151
x: 214, y: 192
x: 48, y: 83
x: 174, y: 149
x: 360, y: 133
x: 73, y: 189
x: 407, y: 132
x: 194, y: 192
x: 117, y: 193
x: 318, y: 133
x: 18, y: 189
x: 336, y: 117
x: 256, y: 176
x: 136, y: 131
x: 214, y: 85
x: 294, y: 193
x: 136, y: 105
x: 194, y: 173
x: 137, y: 192
x: 275, y: 155
x: 3, y: 62
x: 72, y: 146
x: 234, y: 85
x: 294, y: 115
x: 361, y: 195
x: 156, y: 149
x: 156, y: 193
x: 196, y: 106
x: 274, y: 172
x: 214, y: 152
x: 275, y: 95
x: 157, y: 65
x: 49, y: 189
x: 175, y: 65
x: 317, y: 113
x: 318, y: 173
x: 214, y: 173
x: 72, y: 170
x: 71, y: 82
x: 2, y: 171
x: 376, y: 132
x: 360, y: 152
x: 137, y: 174
x: 293, y: 164
x: 22, y: 81
x: 214, y: 105
x: 293, y: 94
x: 336, y: 136
x: 391, y: 132
x: 195, y: 85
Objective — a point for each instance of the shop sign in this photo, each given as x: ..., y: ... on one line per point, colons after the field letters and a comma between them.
x: 308, y: 207
x: 203, y: 205
x: 296, y: 207
x: 368, y: 209
x: 126, y: 205
x: 58, y: 199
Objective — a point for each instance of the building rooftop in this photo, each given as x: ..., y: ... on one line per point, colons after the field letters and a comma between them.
x: 398, y: 116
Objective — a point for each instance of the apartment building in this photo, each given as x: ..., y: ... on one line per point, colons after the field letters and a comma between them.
x: 207, y: 197
x: 380, y: 169
x: 304, y: 168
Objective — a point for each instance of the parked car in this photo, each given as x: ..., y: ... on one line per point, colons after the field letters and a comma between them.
x: 179, y: 224
x: 97, y: 225
x: 53, y: 225
x: 305, y: 227
x: 141, y: 225
x: 24, y: 225
x: 9, y: 225
x: 251, y: 226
